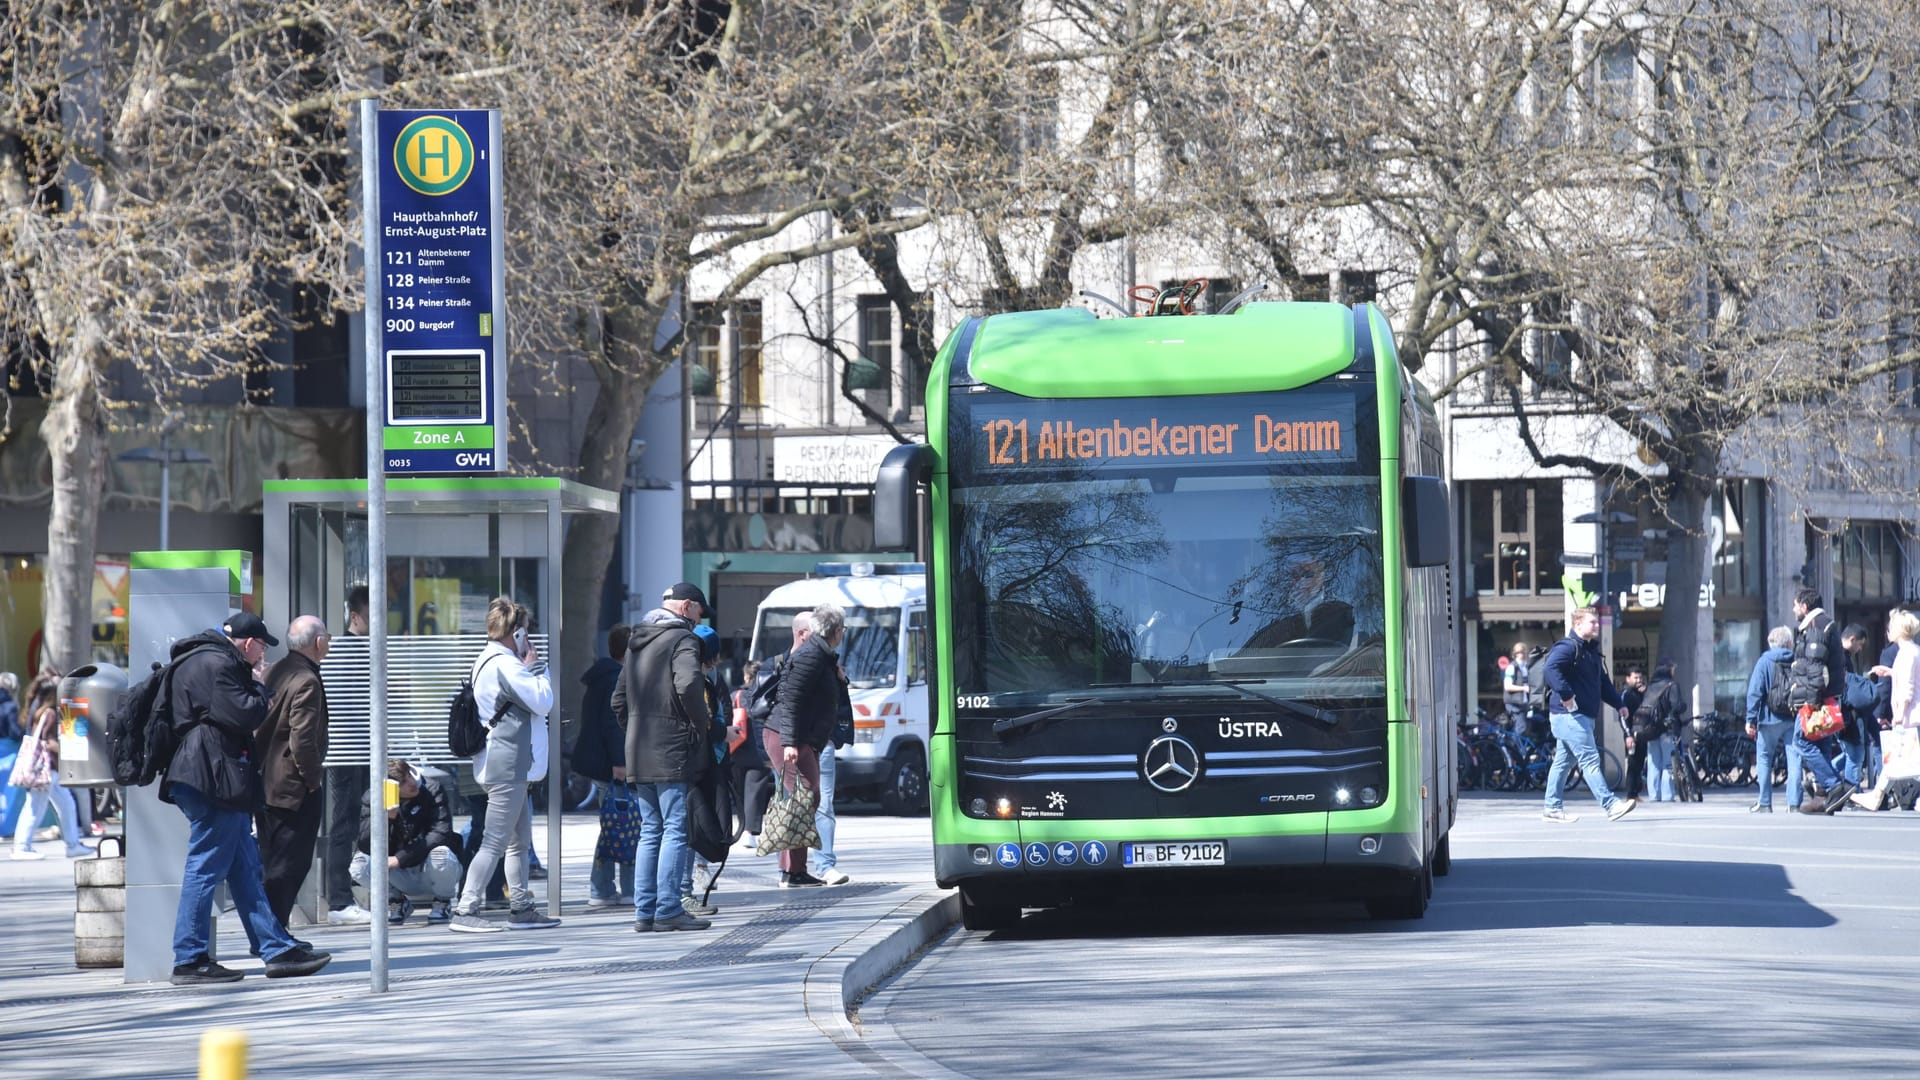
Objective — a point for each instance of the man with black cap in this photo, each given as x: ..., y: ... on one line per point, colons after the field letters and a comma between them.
x: 662, y: 702
x: 218, y: 702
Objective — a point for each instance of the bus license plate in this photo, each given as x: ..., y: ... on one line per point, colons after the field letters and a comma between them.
x: 1175, y: 853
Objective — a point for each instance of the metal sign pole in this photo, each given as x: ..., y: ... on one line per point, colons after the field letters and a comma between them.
x: 376, y: 547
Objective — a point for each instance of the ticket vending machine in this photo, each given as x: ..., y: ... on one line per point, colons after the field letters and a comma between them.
x: 171, y: 595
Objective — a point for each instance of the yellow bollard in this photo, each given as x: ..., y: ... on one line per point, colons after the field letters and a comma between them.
x: 223, y: 1055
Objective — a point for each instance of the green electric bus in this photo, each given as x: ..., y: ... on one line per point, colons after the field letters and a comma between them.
x: 1190, y: 587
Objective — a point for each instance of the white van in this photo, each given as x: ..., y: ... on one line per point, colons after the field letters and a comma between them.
x: 885, y: 654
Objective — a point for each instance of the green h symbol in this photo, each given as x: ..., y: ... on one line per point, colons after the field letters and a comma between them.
x: 444, y: 155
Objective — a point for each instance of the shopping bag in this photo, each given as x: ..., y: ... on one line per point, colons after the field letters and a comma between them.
x: 1900, y: 753
x: 619, y: 826
x: 788, y: 823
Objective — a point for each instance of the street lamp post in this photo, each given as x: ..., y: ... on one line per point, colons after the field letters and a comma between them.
x: 166, y: 456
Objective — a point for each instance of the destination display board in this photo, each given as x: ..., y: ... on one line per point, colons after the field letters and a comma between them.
x: 1271, y: 428
x: 441, y: 303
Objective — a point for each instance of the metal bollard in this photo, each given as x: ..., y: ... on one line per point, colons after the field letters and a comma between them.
x: 223, y: 1054
x: 100, y: 907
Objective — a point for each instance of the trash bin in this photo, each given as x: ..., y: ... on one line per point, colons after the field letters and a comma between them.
x: 87, y: 697
x: 100, y: 907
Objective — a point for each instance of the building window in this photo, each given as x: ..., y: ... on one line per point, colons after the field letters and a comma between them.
x: 1514, y: 537
x: 1867, y: 565
x: 1040, y: 111
x: 1613, y: 77
x: 1547, y: 90
x: 747, y: 354
x: 1313, y: 287
x: 1739, y: 546
x: 875, y: 344
x: 706, y: 340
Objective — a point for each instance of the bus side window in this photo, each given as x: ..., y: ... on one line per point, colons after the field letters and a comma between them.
x: 917, y: 648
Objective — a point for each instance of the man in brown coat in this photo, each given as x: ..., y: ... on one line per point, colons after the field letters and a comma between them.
x: 288, y: 749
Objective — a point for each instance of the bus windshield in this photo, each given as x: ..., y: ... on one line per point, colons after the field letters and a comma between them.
x: 1235, y: 562
x: 870, y: 653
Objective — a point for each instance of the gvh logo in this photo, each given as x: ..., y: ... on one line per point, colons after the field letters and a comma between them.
x: 481, y: 460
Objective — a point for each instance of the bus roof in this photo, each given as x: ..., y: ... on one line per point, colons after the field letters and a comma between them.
x: 1069, y: 353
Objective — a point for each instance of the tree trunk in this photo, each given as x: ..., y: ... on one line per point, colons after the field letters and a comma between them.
x: 1686, y: 628
x: 625, y: 369
x: 74, y: 430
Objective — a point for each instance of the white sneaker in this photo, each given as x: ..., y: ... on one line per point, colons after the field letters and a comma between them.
x: 1621, y: 809
x: 602, y: 901
x: 351, y: 915
x: 1559, y: 815
x: 835, y: 877
x: 25, y: 854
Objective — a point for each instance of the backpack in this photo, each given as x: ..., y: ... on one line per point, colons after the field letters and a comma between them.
x: 1807, y: 674
x: 141, y: 739
x: 761, y: 699
x: 466, y: 735
x: 1780, y: 690
x: 1537, y: 686
x: 1652, y: 716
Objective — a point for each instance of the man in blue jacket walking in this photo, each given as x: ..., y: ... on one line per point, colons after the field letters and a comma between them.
x: 1766, y: 725
x: 1578, y: 687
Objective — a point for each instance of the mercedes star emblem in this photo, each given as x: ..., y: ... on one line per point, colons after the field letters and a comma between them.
x: 1169, y: 725
x: 1171, y: 764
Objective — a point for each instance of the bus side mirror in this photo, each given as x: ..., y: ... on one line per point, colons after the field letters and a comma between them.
x: 1425, y: 520
x: 896, y: 497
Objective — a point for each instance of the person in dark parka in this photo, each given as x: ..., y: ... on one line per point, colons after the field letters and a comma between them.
x: 803, y: 720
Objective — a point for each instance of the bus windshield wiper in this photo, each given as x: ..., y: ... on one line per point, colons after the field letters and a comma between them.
x: 1299, y: 708
x: 1007, y: 725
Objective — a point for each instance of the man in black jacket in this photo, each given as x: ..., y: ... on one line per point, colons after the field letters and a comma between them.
x: 662, y: 700
x: 420, y: 839
x: 217, y: 703
x: 1817, y: 678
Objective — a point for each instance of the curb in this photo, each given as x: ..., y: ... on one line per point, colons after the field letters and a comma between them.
x: 838, y: 981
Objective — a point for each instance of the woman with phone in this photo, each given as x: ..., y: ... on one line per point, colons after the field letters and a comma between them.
x: 512, y: 690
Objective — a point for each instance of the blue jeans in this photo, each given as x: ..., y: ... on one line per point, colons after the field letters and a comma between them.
x: 220, y: 848
x: 1574, y: 733
x: 823, y: 816
x: 663, y: 847
x: 15, y: 797
x: 1766, y: 747
x: 1660, y: 768
x: 1815, y: 758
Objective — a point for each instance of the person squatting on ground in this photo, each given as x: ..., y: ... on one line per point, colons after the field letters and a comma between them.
x: 662, y: 700
x: 1817, y: 676
x: 600, y: 755
x: 803, y: 720
x: 1579, y: 687
x: 289, y: 748
x: 1654, y: 717
x: 218, y: 703
x: 511, y: 689
x: 1901, y: 671
x: 421, y: 863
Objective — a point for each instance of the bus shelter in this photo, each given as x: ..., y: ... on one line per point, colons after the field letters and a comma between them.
x: 452, y: 545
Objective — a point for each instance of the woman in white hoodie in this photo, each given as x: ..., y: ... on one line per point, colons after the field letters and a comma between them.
x: 514, y: 695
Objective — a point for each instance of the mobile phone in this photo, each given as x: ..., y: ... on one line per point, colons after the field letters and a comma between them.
x: 520, y: 641
x: 390, y: 793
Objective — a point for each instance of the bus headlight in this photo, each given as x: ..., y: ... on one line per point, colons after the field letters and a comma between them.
x: 1004, y: 808
x: 1369, y: 796
x: 1343, y: 796
x: 978, y: 807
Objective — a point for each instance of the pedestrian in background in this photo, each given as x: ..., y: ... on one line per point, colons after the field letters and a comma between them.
x: 1513, y: 687
x: 803, y: 720
x: 1653, y: 731
x: 511, y: 687
x: 36, y: 769
x: 600, y: 755
x: 827, y: 863
x: 1579, y: 688
x: 347, y: 787
x: 11, y: 734
x: 289, y: 748
x: 1902, y: 671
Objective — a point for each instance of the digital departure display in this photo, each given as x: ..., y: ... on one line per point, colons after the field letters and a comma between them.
x: 446, y: 387
x: 1270, y: 428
